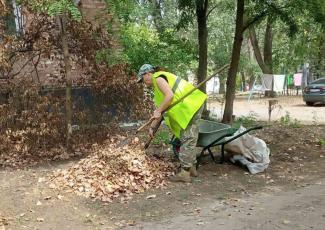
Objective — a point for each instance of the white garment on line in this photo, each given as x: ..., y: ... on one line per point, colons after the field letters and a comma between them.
x: 278, y: 85
x: 267, y: 81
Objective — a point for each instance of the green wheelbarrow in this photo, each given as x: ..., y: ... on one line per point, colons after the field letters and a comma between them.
x: 212, y: 134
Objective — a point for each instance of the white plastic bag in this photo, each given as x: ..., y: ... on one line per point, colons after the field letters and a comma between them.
x: 250, y: 151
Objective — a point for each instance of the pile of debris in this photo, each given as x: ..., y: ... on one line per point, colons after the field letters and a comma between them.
x: 111, y: 172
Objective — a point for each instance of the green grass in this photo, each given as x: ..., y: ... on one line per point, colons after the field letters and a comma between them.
x: 321, y: 141
x: 161, y: 137
x: 288, y: 121
x: 247, y: 121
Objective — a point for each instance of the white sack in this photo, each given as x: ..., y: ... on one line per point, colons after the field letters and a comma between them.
x: 250, y: 151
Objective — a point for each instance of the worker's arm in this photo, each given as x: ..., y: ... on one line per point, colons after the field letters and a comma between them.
x: 168, y: 96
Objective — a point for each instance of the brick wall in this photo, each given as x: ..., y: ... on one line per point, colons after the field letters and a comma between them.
x: 93, y: 4
x: 94, y: 11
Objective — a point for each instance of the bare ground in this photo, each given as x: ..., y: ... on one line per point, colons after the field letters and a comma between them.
x: 289, y: 195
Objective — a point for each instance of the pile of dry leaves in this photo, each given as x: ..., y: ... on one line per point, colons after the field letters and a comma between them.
x: 112, y: 172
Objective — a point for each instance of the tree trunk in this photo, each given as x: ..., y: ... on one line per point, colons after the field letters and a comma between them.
x: 268, y: 54
x: 67, y: 66
x: 252, y: 34
x: 201, y: 13
x: 201, y: 10
x: 265, y: 63
x: 268, y: 45
x: 243, y: 81
x: 235, y: 56
x: 222, y: 85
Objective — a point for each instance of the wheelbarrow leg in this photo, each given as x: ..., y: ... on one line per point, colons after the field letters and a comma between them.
x: 211, y: 154
x: 198, y: 159
x: 222, y: 154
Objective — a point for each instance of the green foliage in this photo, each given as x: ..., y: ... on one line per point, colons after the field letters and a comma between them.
x: 249, y: 120
x: 124, y: 10
x: 62, y: 7
x: 56, y: 8
x: 321, y: 141
x: 288, y: 121
x: 298, y: 30
x: 144, y: 45
x: 144, y: 41
x: 187, y: 16
x: 161, y: 137
x: 277, y: 10
x: 110, y: 57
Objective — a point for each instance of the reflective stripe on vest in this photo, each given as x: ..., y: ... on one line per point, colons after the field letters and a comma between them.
x: 178, y: 117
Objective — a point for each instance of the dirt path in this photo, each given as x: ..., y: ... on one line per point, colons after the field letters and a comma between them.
x: 299, y: 209
x: 222, y: 195
x: 233, y: 200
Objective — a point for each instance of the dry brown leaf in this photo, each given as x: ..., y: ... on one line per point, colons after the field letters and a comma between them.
x: 151, y: 196
x: 112, y: 172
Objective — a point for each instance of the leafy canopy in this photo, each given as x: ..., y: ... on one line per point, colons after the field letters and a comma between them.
x: 56, y: 8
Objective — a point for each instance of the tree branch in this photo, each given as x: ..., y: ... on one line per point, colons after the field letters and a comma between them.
x: 254, y: 20
x: 209, y: 12
x: 23, y: 66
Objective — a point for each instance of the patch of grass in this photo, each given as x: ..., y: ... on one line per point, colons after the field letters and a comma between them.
x: 161, y: 137
x: 249, y: 120
x: 321, y: 141
x: 288, y: 121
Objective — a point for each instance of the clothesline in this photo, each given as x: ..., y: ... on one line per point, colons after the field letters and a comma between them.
x: 280, y: 82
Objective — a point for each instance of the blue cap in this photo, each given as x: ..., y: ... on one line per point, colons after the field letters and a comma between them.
x: 146, y: 68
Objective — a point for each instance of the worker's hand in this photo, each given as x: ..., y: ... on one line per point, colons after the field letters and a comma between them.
x: 151, y: 133
x: 157, y: 114
x: 153, y: 127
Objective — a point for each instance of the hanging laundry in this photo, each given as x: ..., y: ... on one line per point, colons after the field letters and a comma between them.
x: 297, y: 78
x: 278, y: 83
x: 289, y: 79
x: 267, y: 81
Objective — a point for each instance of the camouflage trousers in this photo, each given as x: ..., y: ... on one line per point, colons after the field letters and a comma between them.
x: 189, y: 136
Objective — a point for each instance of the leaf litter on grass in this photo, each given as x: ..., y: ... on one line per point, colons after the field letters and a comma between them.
x: 111, y: 172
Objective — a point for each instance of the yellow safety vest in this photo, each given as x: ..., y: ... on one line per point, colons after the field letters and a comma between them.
x: 178, y: 117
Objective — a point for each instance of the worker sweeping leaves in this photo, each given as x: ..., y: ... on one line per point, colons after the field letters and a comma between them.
x: 182, y: 119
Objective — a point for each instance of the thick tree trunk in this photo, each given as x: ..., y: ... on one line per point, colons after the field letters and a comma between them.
x: 67, y: 66
x: 201, y: 12
x: 231, y: 80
